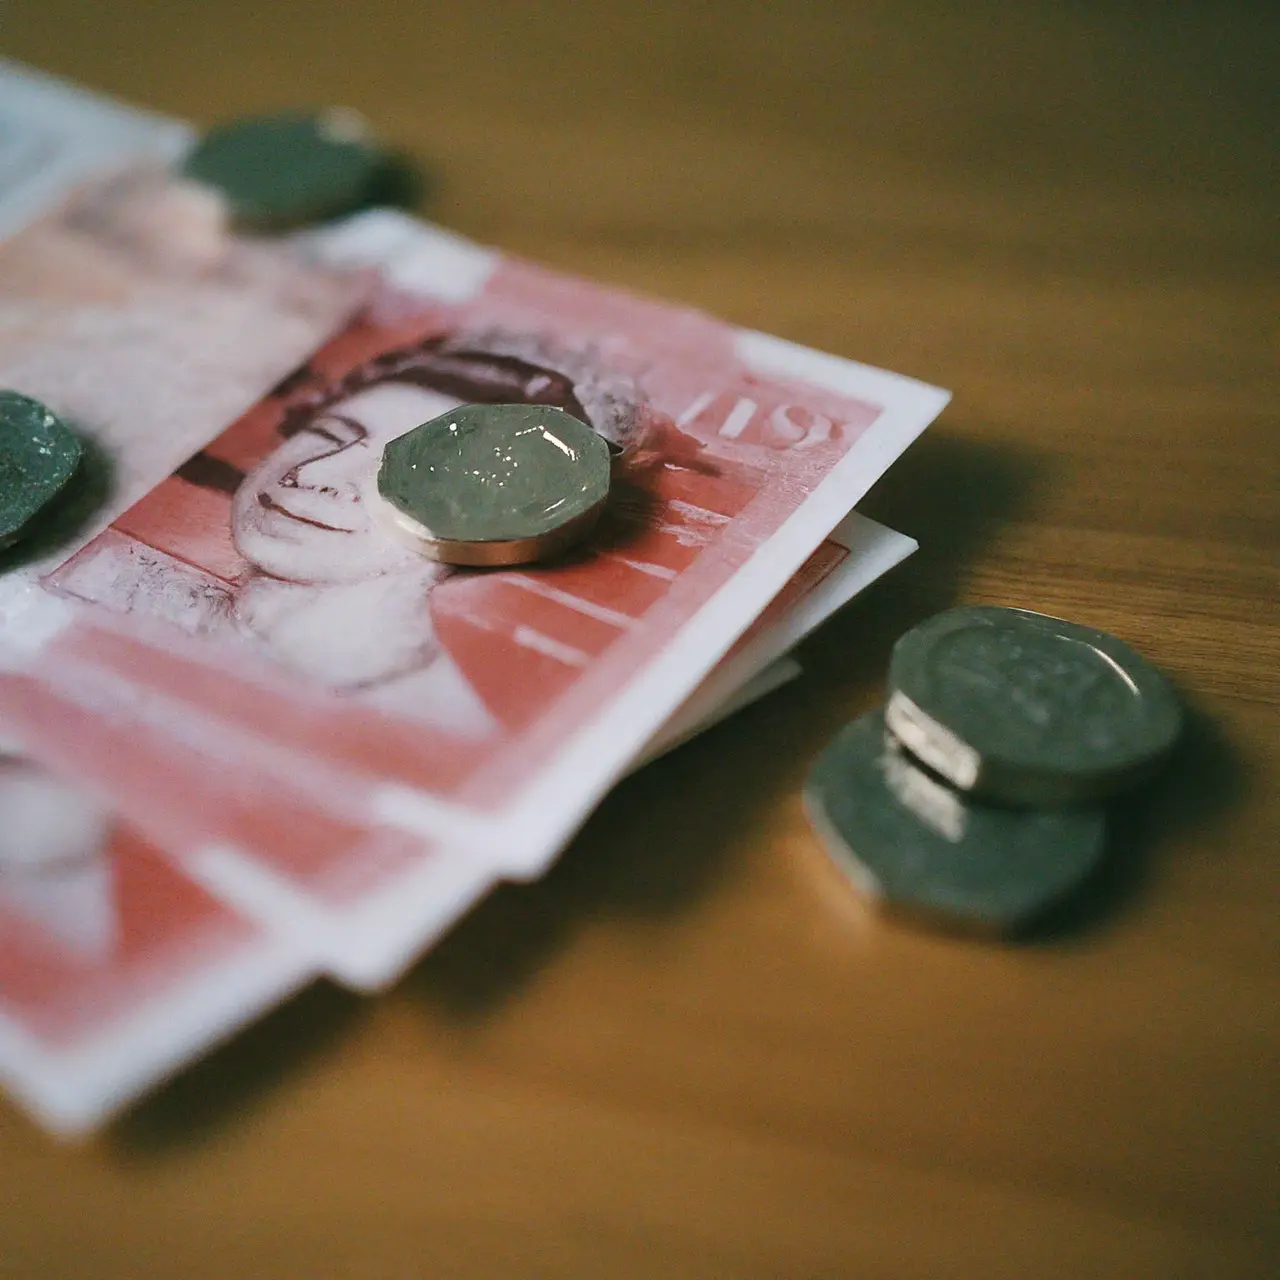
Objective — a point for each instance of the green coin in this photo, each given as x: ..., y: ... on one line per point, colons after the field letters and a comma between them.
x: 291, y: 169
x: 1027, y: 709
x: 918, y: 848
x: 38, y: 456
x: 493, y: 484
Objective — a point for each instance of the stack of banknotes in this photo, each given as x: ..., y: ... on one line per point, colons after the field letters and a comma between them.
x: 250, y: 740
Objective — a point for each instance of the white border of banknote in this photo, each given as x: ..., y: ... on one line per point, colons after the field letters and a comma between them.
x: 368, y: 944
x: 73, y: 1091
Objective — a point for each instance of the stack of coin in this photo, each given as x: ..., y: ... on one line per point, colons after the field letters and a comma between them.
x: 973, y: 800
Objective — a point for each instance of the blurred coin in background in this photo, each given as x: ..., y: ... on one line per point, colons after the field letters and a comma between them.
x: 38, y: 456
x: 293, y: 169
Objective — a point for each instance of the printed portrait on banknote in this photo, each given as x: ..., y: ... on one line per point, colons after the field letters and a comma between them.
x: 276, y: 547
x: 131, y: 309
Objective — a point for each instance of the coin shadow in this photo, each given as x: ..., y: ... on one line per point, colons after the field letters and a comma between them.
x: 220, y: 1089
x: 952, y: 493
x: 71, y: 512
x: 1203, y: 777
x: 659, y: 844
x: 402, y: 183
x: 666, y: 837
x: 656, y: 846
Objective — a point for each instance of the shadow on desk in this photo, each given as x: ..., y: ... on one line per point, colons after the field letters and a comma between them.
x: 709, y: 797
x: 1203, y: 776
x: 950, y: 492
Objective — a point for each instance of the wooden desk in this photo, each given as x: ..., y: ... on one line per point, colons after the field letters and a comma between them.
x: 685, y: 1054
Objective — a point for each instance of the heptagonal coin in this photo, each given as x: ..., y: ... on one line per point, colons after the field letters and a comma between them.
x: 1026, y: 709
x: 494, y: 484
x: 919, y: 849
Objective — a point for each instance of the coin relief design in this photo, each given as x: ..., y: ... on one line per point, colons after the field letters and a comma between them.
x: 1027, y: 709
x: 494, y: 484
x: 1056, y: 683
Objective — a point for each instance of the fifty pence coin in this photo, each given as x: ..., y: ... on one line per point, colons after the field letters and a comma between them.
x: 38, y: 456
x: 292, y: 169
x: 1023, y: 708
x: 493, y: 484
x: 916, y: 847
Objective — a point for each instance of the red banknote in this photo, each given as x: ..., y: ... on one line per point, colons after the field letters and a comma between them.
x: 487, y: 711
x: 116, y: 968
x: 362, y: 900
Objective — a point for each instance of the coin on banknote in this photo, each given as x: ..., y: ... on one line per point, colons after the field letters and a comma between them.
x: 38, y: 456
x: 493, y: 484
x: 1026, y: 709
x: 291, y: 169
x: 918, y: 848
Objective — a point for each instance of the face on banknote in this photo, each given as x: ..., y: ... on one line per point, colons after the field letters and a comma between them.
x: 131, y: 310
x: 488, y: 710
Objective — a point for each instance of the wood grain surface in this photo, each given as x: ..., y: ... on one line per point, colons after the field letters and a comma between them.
x: 687, y: 1053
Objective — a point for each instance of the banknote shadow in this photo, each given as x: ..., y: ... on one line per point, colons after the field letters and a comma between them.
x: 952, y: 492
x: 221, y: 1090
x: 656, y: 846
x: 664, y: 839
x: 668, y: 836
x: 1203, y: 777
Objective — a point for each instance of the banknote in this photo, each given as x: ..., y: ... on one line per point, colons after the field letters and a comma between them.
x: 363, y: 899
x: 131, y: 241
x: 326, y: 753
x: 486, y: 711
x: 54, y: 134
x: 116, y: 967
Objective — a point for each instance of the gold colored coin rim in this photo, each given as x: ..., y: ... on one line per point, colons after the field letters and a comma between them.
x: 489, y: 554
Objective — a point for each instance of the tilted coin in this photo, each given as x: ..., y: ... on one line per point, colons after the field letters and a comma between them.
x: 291, y: 169
x: 918, y: 848
x: 38, y: 456
x: 1027, y: 709
x: 494, y: 484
